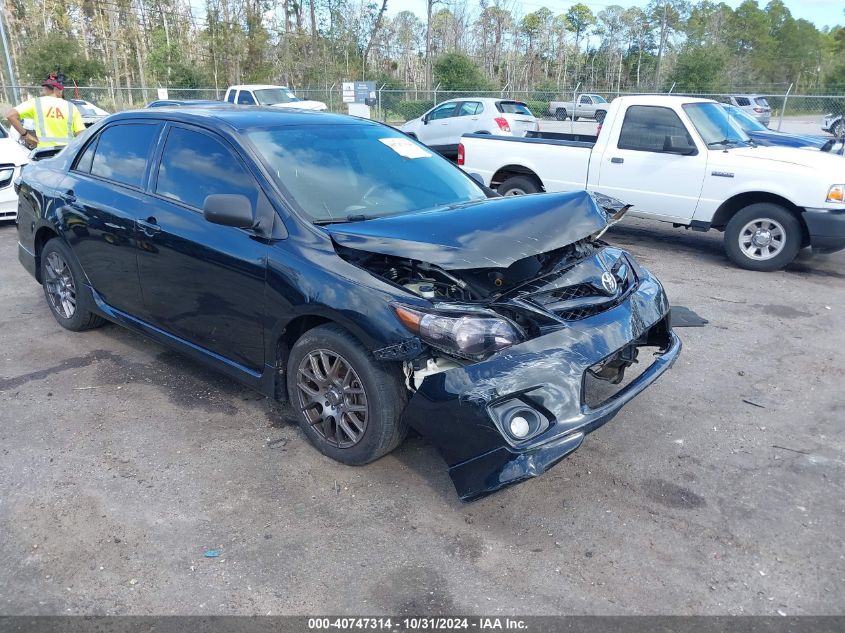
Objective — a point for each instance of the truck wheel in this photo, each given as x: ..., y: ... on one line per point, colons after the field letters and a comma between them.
x: 763, y: 237
x: 600, y: 114
x: 63, y: 281
x: 575, y: 118
x: 518, y: 186
x: 348, y: 404
x: 560, y: 114
x: 838, y: 128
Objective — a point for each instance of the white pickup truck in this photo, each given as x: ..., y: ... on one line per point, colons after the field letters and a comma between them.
x: 682, y: 160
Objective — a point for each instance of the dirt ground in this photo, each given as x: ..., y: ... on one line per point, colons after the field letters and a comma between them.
x: 720, y: 490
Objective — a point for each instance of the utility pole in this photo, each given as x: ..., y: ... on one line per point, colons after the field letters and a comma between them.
x: 15, y: 95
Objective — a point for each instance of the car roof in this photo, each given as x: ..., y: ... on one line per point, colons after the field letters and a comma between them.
x: 255, y: 87
x: 241, y: 118
x: 662, y: 99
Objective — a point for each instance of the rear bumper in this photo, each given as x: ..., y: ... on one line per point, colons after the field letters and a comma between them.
x: 458, y: 410
x: 826, y: 228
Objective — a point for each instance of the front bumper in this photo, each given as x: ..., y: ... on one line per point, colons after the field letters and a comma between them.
x: 455, y: 409
x: 826, y: 228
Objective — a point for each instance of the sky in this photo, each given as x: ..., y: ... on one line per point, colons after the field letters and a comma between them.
x: 820, y: 12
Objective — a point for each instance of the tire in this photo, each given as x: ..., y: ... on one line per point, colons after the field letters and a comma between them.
x: 560, y: 114
x: 600, y: 114
x: 62, y: 279
x: 837, y: 129
x: 763, y: 237
x: 377, y: 387
x: 575, y: 118
x: 518, y: 186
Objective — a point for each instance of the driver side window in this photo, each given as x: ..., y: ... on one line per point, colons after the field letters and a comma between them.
x: 245, y: 98
x: 442, y: 112
x: 585, y: 100
x: 646, y: 128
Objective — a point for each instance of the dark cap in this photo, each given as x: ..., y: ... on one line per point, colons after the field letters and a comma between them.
x: 53, y: 81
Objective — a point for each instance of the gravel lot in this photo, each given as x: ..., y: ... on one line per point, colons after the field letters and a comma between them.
x: 719, y: 491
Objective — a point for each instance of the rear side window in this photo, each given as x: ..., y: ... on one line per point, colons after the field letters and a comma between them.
x: 195, y: 165
x: 230, y: 96
x: 647, y: 128
x: 245, y: 98
x: 83, y: 163
x: 470, y: 108
x: 122, y: 153
x: 586, y: 100
x: 742, y: 101
x: 761, y: 101
x: 513, y: 107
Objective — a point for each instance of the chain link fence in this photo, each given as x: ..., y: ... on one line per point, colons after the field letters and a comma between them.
x: 789, y: 112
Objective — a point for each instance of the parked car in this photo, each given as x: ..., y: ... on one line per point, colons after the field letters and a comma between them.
x: 682, y: 160
x: 755, y: 105
x: 13, y: 157
x: 589, y: 106
x: 762, y: 135
x: 441, y: 127
x: 334, y: 262
x: 834, y: 124
x: 266, y: 95
x: 90, y: 113
x: 169, y: 103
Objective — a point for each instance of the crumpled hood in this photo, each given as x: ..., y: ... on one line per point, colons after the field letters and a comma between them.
x: 790, y: 140
x: 302, y: 105
x: 492, y: 233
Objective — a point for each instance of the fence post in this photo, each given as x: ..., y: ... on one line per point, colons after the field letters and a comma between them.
x: 435, y: 92
x: 380, y: 109
x: 672, y: 88
x: 504, y: 90
x: 331, y: 97
x: 574, y: 108
x: 783, y: 107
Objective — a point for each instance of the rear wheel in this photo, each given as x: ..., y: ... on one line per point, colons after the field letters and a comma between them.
x: 838, y: 129
x: 62, y: 281
x: 763, y: 237
x: 349, y: 405
x: 518, y: 186
x: 600, y: 114
x: 560, y: 114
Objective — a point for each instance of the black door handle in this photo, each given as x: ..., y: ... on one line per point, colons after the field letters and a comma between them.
x: 149, y: 226
x: 617, y: 160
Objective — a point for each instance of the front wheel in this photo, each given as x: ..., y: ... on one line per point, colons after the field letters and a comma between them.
x: 518, y: 186
x: 575, y: 118
x: 62, y: 281
x: 348, y: 404
x: 838, y: 129
x: 600, y: 114
x: 763, y: 237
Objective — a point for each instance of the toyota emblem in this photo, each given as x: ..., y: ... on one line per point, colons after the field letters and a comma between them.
x: 609, y: 282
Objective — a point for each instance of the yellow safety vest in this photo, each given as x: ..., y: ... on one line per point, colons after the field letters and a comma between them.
x: 56, y: 120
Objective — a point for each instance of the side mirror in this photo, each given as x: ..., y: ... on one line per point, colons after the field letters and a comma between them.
x: 229, y: 210
x: 425, y: 119
x: 679, y: 145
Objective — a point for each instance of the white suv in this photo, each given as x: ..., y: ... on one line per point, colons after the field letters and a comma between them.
x: 267, y: 95
x: 755, y: 105
x: 441, y: 127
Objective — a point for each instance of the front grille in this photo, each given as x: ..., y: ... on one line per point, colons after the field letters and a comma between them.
x: 577, y: 292
x: 7, y: 173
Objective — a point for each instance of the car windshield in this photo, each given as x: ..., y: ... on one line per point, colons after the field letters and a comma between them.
x: 514, y: 107
x: 85, y: 109
x: 272, y: 96
x: 598, y: 99
x: 715, y: 125
x: 745, y: 120
x: 339, y: 173
x: 761, y: 101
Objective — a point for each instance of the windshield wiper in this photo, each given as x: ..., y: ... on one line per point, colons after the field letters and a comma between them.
x: 726, y: 141
x: 354, y: 217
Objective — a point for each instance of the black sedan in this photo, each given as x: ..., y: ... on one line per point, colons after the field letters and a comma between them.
x: 338, y: 264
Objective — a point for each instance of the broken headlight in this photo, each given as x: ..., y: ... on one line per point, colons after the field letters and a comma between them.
x: 467, y: 335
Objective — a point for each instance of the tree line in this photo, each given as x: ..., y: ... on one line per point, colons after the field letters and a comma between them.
x: 699, y: 46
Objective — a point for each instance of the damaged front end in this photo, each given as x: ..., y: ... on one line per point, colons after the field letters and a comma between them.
x: 505, y: 356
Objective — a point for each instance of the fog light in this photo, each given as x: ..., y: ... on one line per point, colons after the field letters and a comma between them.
x: 520, y: 427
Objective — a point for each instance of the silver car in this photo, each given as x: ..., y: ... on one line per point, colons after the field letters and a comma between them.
x: 755, y: 105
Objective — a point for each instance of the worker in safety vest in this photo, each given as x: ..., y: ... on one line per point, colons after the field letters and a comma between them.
x: 56, y: 121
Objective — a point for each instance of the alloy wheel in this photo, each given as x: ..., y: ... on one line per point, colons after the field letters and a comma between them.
x: 762, y: 239
x: 60, y: 287
x: 332, y: 397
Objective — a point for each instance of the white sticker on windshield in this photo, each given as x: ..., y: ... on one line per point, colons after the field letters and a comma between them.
x: 405, y: 147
